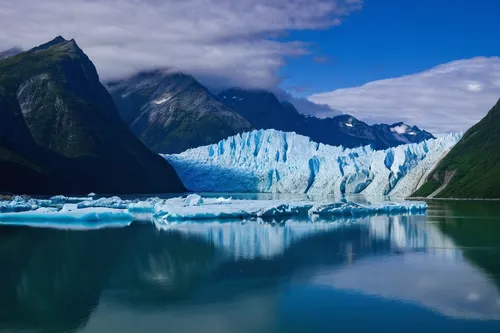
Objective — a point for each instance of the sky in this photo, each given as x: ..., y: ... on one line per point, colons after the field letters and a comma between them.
x: 431, y: 63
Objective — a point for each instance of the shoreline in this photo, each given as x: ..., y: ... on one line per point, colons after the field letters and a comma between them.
x: 453, y: 199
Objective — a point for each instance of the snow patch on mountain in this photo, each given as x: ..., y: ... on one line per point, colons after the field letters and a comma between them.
x: 282, y: 162
x: 401, y: 129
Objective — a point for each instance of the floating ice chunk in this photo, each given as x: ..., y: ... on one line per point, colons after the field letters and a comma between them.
x: 80, y: 218
x: 69, y: 208
x: 222, y: 200
x: 285, y: 209
x: 47, y: 210
x: 356, y: 209
x: 112, y: 202
x: 175, y: 209
x: 92, y: 194
x: 194, y: 200
x: 141, y: 206
x: 22, y: 204
x: 61, y: 199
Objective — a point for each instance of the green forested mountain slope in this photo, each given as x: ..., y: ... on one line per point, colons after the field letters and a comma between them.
x: 472, y: 168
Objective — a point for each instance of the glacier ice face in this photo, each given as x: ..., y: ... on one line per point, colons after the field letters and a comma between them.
x: 280, y: 162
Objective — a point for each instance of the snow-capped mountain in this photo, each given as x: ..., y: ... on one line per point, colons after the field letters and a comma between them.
x: 275, y: 161
x: 171, y: 112
x: 265, y: 111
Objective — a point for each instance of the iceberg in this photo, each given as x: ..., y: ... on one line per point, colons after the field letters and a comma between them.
x: 22, y: 204
x: 106, y: 211
x: 280, y: 162
x: 356, y: 209
x: 112, y: 202
x: 176, y: 209
x: 88, y: 218
x: 194, y: 200
x: 61, y: 199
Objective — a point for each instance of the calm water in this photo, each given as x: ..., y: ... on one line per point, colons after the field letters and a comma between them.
x: 439, y: 273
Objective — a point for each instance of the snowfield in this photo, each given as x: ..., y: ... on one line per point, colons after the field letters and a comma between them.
x: 281, y: 162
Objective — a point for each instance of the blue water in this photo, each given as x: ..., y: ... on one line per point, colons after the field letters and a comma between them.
x: 435, y: 273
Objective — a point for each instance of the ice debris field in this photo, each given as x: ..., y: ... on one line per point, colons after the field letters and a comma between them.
x: 282, y: 162
x: 90, y: 212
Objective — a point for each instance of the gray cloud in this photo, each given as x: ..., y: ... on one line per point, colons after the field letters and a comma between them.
x: 228, y: 39
x: 305, y: 106
x: 449, y: 97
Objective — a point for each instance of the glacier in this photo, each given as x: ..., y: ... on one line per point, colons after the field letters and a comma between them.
x: 115, y: 211
x: 285, y: 162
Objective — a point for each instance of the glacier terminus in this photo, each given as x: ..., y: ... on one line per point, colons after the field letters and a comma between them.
x: 272, y: 161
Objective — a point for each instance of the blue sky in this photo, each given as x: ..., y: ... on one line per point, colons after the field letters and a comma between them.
x: 391, y: 38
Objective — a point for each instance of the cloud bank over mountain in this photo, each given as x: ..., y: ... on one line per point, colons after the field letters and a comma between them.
x: 234, y: 42
x: 450, y: 97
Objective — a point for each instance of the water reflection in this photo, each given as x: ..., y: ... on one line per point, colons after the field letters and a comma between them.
x: 243, y: 277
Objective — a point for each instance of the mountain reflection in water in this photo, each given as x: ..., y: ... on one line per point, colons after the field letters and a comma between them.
x: 440, y: 270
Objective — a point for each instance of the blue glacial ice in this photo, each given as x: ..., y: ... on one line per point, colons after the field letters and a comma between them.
x: 112, y: 202
x: 280, y: 162
x: 85, y: 218
x: 116, y: 211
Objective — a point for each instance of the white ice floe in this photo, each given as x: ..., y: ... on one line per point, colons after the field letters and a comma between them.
x: 194, y: 200
x: 192, y: 207
x: 356, y: 209
x: 176, y: 209
x: 280, y: 162
x: 78, y: 218
x: 112, y: 202
x: 61, y: 199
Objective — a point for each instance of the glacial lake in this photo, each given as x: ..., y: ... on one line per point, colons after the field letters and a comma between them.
x: 434, y: 273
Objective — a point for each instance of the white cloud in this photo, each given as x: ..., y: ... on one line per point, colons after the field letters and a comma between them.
x: 226, y: 40
x: 449, y: 97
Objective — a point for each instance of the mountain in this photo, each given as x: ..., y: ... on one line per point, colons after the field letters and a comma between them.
x: 171, y: 112
x: 472, y: 167
x: 10, y: 52
x: 283, y: 162
x: 60, y: 130
x: 265, y: 111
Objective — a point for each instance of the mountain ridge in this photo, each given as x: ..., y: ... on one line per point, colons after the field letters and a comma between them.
x: 61, y: 129
x: 171, y: 111
x: 264, y: 111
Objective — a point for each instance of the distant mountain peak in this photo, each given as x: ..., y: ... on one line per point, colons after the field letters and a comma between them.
x: 10, y: 52
x: 55, y: 41
x: 264, y: 111
x: 171, y: 111
x: 58, y: 116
